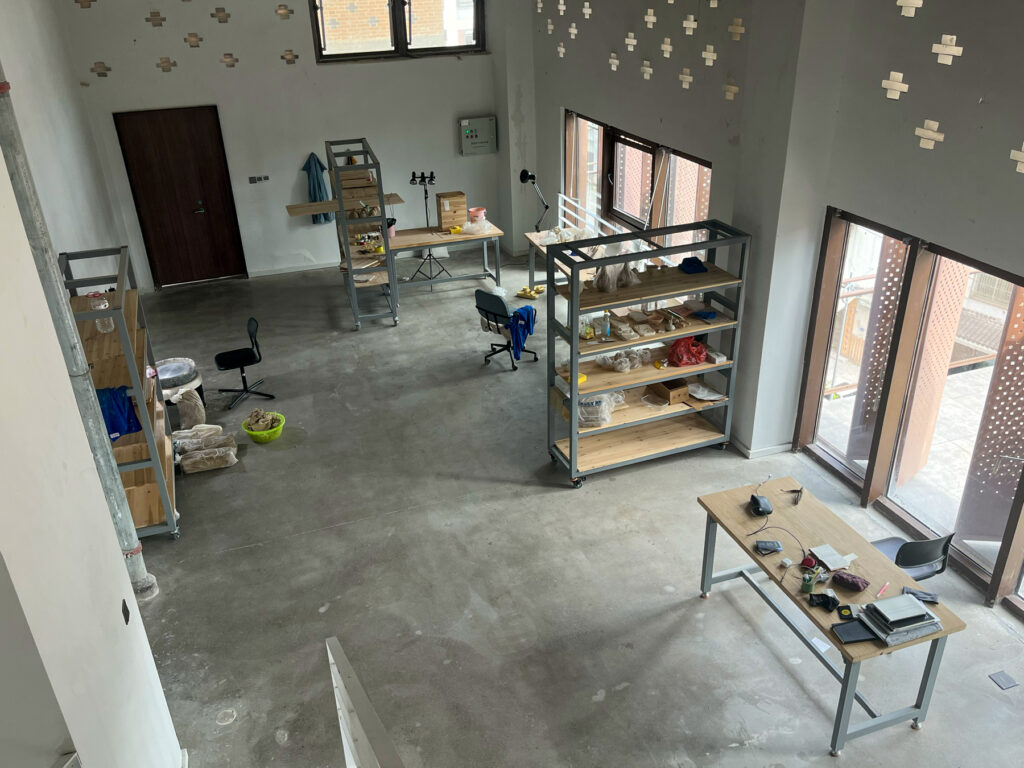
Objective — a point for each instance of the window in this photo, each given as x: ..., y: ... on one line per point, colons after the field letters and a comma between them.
x: 631, y: 181
x: 361, y: 29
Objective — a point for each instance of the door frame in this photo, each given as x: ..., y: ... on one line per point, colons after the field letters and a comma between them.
x: 236, y: 230
x: 923, y: 256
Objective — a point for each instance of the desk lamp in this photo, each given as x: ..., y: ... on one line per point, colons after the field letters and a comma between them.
x: 525, y: 177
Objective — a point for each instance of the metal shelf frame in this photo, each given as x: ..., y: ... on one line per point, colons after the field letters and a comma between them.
x: 721, y: 244
x: 339, y: 153
x: 124, y: 280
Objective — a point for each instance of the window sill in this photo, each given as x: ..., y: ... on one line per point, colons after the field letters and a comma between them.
x: 377, y: 57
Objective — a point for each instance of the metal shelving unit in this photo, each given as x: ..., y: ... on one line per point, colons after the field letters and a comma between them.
x: 346, y: 181
x: 637, y: 432
x: 119, y: 358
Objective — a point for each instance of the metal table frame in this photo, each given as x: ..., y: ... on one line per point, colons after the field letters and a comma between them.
x: 842, y: 731
x: 486, y: 273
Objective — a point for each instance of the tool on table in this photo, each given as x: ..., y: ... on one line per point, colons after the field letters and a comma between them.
x: 882, y: 590
x: 759, y: 505
x: 768, y: 547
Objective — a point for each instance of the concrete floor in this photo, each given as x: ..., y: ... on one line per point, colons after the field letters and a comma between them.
x: 495, y: 616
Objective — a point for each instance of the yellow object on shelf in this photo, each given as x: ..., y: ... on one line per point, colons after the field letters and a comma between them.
x: 456, y: 230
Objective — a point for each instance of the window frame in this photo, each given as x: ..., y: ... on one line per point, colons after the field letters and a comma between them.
x: 611, y: 135
x: 399, y: 34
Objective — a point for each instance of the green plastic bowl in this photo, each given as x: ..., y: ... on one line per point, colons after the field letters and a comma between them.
x: 267, y: 435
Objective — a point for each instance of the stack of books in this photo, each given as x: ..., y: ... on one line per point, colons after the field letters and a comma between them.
x: 899, y: 619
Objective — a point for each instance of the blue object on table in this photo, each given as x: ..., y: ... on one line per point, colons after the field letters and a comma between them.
x: 520, y: 327
x: 318, y: 193
x: 705, y: 314
x: 691, y: 265
x: 118, y: 412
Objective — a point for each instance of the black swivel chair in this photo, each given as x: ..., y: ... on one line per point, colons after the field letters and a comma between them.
x: 240, y: 359
x: 494, y: 311
x: 920, y: 559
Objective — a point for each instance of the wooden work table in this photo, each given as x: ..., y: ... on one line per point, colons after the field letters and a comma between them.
x: 811, y: 523
x: 426, y: 238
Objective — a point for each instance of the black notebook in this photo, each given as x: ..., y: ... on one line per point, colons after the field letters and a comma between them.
x: 853, y: 631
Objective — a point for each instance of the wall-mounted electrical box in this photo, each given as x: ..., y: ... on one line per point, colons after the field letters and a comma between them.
x: 478, y: 135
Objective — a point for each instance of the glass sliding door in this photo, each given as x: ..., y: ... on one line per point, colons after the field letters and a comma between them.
x: 871, y: 277
x: 961, y: 443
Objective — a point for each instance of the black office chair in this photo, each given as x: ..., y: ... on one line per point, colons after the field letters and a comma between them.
x: 495, y: 316
x: 240, y: 359
x: 920, y: 559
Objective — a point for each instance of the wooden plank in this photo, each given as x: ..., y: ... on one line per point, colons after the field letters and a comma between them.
x: 352, y: 201
x: 813, y: 524
x: 308, y: 209
x: 689, y: 326
x: 599, y: 378
x: 634, y: 410
x: 654, y: 284
x: 411, y: 239
x: 631, y: 443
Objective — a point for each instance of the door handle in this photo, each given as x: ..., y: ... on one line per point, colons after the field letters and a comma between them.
x: 201, y: 208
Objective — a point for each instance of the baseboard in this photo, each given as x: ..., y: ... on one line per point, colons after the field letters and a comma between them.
x: 760, y: 452
x: 184, y: 758
x: 294, y: 268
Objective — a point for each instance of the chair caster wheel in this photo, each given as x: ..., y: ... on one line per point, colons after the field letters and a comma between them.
x: 487, y: 362
x: 916, y: 725
x: 515, y: 367
x: 577, y: 482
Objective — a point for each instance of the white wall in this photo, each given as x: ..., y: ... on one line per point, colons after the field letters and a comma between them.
x: 59, y: 543
x: 32, y: 730
x: 47, y: 96
x: 273, y: 115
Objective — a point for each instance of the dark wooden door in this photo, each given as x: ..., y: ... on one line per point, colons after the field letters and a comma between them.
x: 179, y: 177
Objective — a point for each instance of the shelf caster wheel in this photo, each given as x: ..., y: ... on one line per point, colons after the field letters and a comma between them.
x: 396, y: 321
x: 721, y: 446
x: 577, y: 482
x: 916, y: 725
x: 358, y: 326
x: 705, y: 595
x: 835, y: 752
x: 176, y: 535
x: 554, y: 459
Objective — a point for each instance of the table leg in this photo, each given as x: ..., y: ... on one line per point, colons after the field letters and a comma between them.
x: 931, y: 672
x: 846, y: 699
x: 486, y: 267
x: 497, y: 261
x: 710, y: 534
x: 533, y: 252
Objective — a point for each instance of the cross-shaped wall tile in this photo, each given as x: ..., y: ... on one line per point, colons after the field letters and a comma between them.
x: 650, y: 18
x: 561, y: 50
x: 193, y: 39
x: 731, y: 89
x: 690, y: 24
x: 909, y: 7
x: 587, y: 10
x: 894, y: 86
x: 947, y: 49
x: 630, y: 42
x: 929, y: 134
x: 666, y: 48
x: 713, y: 3
x: 561, y: 7
x: 540, y: 5
x: 613, y: 61
x: 573, y: 30
x: 709, y: 55
x: 1018, y: 155
x: 165, y: 64
x: 551, y: 27
x: 229, y: 60
x: 221, y: 16
x: 284, y: 12
x: 155, y: 19
x: 736, y: 29
x: 646, y: 69
x: 290, y: 57
x: 686, y: 79
x: 100, y: 69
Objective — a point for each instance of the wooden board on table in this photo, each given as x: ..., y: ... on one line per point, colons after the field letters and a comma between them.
x: 631, y: 443
x: 814, y: 524
x: 654, y: 284
x: 411, y: 239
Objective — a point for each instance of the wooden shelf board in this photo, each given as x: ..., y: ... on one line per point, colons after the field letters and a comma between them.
x: 113, y: 371
x: 692, y: 326
x: 599, y: 379
x: 654, y: 284
x: 363, y: 261
x: 100, y: 345
x: 372, y: 279
x: 609, y: 449
x: 309, y: 209
x: 410, y: 239
x: 634, y: 411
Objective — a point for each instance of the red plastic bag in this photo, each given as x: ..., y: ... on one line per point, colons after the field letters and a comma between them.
x: 687, y: 351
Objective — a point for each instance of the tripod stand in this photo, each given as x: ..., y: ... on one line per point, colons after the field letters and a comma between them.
x: 434, y: 268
